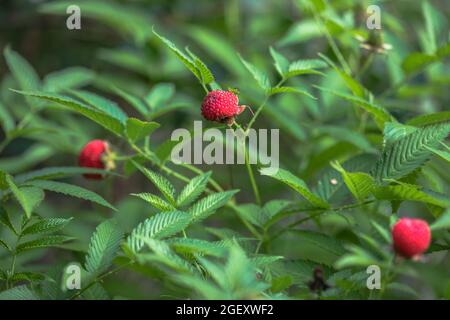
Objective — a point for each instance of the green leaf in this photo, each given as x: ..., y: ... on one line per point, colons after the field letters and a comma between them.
x: 357, y: 89
x: 441, y: 153
x: 21, y: 292
x: 5, y: 245
x: 193, y: 189
x: 258, y: 75
x: 6, y: 221
x: 163, y: 185
x: 298, y: 185
x: 322, y: 241
x: 100, y: 103
x: 159, y: 226
x: 137, y: 129
x: 276, y: 90
x: 197, y: 246
x: 6, y: 120
x: 163, y: 254
x: 28, y: 276
x: 181, y: 56
x: 409, y: 152
x: 155, y: 201
x: 69, y: 78
x: 103, y: 247
x: 134, y: 101
x: 209, y: 204
x: 57, y: 172
x: 281, y: 63
x: 46, y: 226
x: 23, y: 72
x: 442, y: 223
x: 410, y: 192
x: 45, y: 242
x: 380, y: 114
x: 104, y: 119
x: 206, y: 74
x: 427, y: 119
x: 306, y: 66
x: 160, y: 95
x: 416, y: 61
x: 360, y: 184
x: 70, y: 190
x: 28, y: 198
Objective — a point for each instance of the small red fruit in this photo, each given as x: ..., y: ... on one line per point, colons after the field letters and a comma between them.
x: 411, y: 237
x: 221, y: 106
x: 95, y: 154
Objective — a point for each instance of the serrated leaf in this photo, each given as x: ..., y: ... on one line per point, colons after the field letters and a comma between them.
x: 6, y: 221
x: 57, y: 172
x: 209, y: 204
x: 206, y: 75
x: 27, y: 197
x: 71, y: 190
x: 155, y: 201
x: 441, y: 153
x: 134, y: 101
x: 159, y: 226
x: 193, y: 189
x: 100, y: 103
x: 137, y: 129
x: 322, y: 241
x: 442, y: 223
x: 298, y: 185
x: 105, y: 120
x: 22, y: 71
x: 197, y: 246
x: 380, y: 114
x: 160, y: 94
x: 44, y: 242
x: 276, y: 90
x: 181, y: 56
x: 4, y: 245
x: 258, y: 75
x: 264, y: 260
x: 163, y: 254
x: 6, y: 120
x: 21, y: 292
x: 356, y: 87
x: 163, y: 185
x: 306, y: 66
x: 103, y: 247
x: 46, y: 226
x: 409, y: 152
x: 28, y: 276
x: 410, y: 192
x: 69, y: 78
x: 280, y: 62
x: 360, y: 184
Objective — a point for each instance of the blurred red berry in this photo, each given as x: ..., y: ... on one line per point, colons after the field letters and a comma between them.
x: 91, y: 156
x: 221, y: 106
x: 411, y: 237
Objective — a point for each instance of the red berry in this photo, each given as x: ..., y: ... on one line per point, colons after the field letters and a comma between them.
x: 221, y: 106
x: 91, y: 156
x: 411, y: 237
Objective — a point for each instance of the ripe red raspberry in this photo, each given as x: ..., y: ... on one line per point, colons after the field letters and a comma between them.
x: 221, y: 106
x: 92, y: 156
x: 411, y: 237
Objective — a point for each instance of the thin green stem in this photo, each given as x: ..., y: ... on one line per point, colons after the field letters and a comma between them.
x: 321, y: 211
x: 252, y: 177
x: 100, y: 278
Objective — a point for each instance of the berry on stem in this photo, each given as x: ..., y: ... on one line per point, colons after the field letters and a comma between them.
x: 221, y: 106
x: 411, y: 237
x: 96, y: 154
